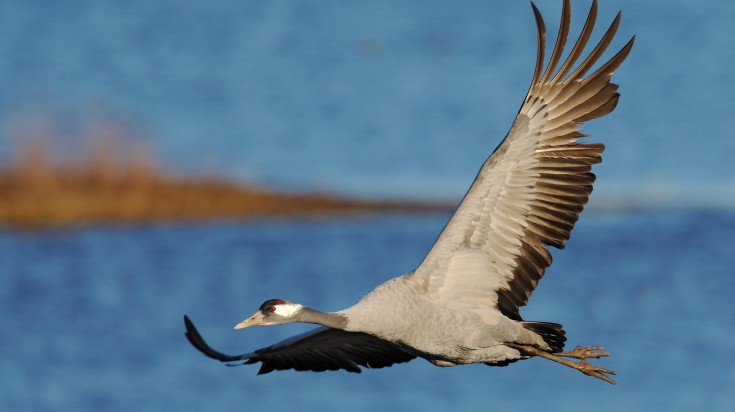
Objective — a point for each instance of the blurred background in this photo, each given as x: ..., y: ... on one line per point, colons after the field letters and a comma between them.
x: 378, y: 101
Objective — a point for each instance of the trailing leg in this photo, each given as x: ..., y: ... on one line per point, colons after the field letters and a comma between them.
x: 584, y: 352
x: 578, y: 353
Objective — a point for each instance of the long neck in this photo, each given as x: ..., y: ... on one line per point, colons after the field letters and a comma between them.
x: 328, y: 319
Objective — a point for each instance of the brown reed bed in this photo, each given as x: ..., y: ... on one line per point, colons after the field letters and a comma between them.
x: 37, y: 192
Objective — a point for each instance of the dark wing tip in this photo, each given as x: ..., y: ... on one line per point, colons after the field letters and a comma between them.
x: 319, y: 350
x: 192, y: 334
x: 541, y: 33
x: 539, y: 18
x: 629, y: 45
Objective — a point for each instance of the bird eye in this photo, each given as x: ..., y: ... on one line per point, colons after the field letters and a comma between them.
x: 272, y: 309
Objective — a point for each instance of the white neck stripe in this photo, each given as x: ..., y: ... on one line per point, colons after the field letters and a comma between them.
x: 287, y: 310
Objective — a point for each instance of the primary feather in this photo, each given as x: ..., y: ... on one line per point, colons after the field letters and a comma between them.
x: 530, y: 192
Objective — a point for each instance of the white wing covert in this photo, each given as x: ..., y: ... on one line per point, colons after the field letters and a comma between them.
x: 529, y: 193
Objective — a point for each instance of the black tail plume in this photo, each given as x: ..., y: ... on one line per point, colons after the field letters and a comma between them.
x: 552, y: 334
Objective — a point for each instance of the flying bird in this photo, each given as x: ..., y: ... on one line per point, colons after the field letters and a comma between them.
x: 461, y: 304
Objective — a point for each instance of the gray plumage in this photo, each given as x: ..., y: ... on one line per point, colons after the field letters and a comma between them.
x: 461, y: 304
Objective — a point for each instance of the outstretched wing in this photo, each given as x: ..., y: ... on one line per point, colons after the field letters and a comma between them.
x: 318, y: 350
x: 530, y: 192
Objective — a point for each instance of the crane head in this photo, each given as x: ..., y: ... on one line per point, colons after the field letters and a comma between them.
x: 272, y: 312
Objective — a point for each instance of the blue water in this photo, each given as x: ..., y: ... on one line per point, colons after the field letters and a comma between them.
x: 92, y: 318
x: 375, y: 99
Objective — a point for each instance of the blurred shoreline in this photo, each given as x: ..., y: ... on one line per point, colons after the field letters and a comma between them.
x: 113, y: 186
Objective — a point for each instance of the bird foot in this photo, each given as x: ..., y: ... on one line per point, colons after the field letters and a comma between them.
x: 590, y: 352
x: 582, y: 353
x: 585, y: 352
x: 596, y: 371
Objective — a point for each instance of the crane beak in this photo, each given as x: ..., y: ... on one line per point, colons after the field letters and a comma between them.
x: 256, y: 320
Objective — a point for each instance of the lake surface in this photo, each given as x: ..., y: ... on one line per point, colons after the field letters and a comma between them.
x: 376, y: 99
x: 92, y: 317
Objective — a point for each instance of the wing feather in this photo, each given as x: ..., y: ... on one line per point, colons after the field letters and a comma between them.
x: 318, y: 350
x: 529, y: 193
